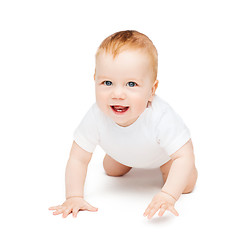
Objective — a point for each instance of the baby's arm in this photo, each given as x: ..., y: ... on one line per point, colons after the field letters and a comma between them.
x: 75, y: 176
x: 177, y: 181
x: 181, y: 170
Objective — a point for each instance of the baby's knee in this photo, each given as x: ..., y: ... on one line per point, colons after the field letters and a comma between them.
x: 113, y: 174
x: 116, y: 172
x: 114, y: 168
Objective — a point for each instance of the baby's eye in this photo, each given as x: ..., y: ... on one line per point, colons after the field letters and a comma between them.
x: 131, y: 84
x: 107, y: 83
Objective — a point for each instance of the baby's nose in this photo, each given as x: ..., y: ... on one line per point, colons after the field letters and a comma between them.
x: 118, y: 92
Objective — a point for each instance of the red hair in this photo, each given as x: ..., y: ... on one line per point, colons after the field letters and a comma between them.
x: 130, y: 40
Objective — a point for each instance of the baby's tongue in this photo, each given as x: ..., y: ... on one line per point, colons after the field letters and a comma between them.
x: 119, y: 108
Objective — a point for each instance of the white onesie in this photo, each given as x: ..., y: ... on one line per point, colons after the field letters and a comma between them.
x: 147, y: 143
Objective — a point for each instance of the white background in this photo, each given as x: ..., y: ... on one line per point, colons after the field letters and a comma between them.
x: 47, y: 53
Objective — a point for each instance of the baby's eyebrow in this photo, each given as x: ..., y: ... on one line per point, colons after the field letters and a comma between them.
x: 99, y: 77
x: 133, y: 79
x: 127, y: 79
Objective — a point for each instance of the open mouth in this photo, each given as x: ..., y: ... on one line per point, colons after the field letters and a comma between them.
x: 119, y: 109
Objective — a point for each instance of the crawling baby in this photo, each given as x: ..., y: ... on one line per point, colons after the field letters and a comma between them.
x: 134, y: 127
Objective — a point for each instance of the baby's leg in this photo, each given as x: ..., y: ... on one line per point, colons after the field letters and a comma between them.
x: 192, y: 181
x: 114, y: 168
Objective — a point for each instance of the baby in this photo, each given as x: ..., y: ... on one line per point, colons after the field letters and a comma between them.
x: 135, y: 127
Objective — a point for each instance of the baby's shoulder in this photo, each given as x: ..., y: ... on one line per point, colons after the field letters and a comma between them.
x: 160, y: 108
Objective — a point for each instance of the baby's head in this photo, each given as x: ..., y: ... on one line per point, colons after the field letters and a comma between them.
x: 125, y: 76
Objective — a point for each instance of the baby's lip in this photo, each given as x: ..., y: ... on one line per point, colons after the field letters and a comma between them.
x: 123, y: 106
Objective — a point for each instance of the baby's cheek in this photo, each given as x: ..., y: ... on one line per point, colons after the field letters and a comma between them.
x: 140, y: 106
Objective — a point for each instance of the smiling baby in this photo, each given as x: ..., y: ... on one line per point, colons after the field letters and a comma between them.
x: 135, y: 127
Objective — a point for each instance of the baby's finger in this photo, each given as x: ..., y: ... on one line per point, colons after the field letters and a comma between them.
x: 162, y: 210
x: 153, y: 211
x: 147, y: 211
x: 58, y: 211
x: 54, y: 207
x: 66, y: 212
x: 75, y: 211
x: 90, y: 208
x: 173, y: 210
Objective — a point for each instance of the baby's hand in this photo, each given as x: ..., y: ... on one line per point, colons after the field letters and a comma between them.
x: 162, y: 201
x: 74, y: 205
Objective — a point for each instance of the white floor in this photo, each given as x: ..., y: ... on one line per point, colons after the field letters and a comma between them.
x: 217, y: 208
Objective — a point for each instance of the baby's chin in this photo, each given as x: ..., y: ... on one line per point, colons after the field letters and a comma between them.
x: 125, y: 123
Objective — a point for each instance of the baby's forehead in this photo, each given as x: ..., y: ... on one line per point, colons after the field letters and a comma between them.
x: 124, y: 52
x: 126, y: 59
x: 129, y: 62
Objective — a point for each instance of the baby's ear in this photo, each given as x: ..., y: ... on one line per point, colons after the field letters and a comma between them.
x: 94, y: 74
x: 154, y: 87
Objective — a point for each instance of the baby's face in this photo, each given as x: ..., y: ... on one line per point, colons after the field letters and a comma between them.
x: 124, y: 85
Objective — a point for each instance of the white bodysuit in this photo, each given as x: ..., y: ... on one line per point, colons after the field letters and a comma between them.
x: 147, y: 143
